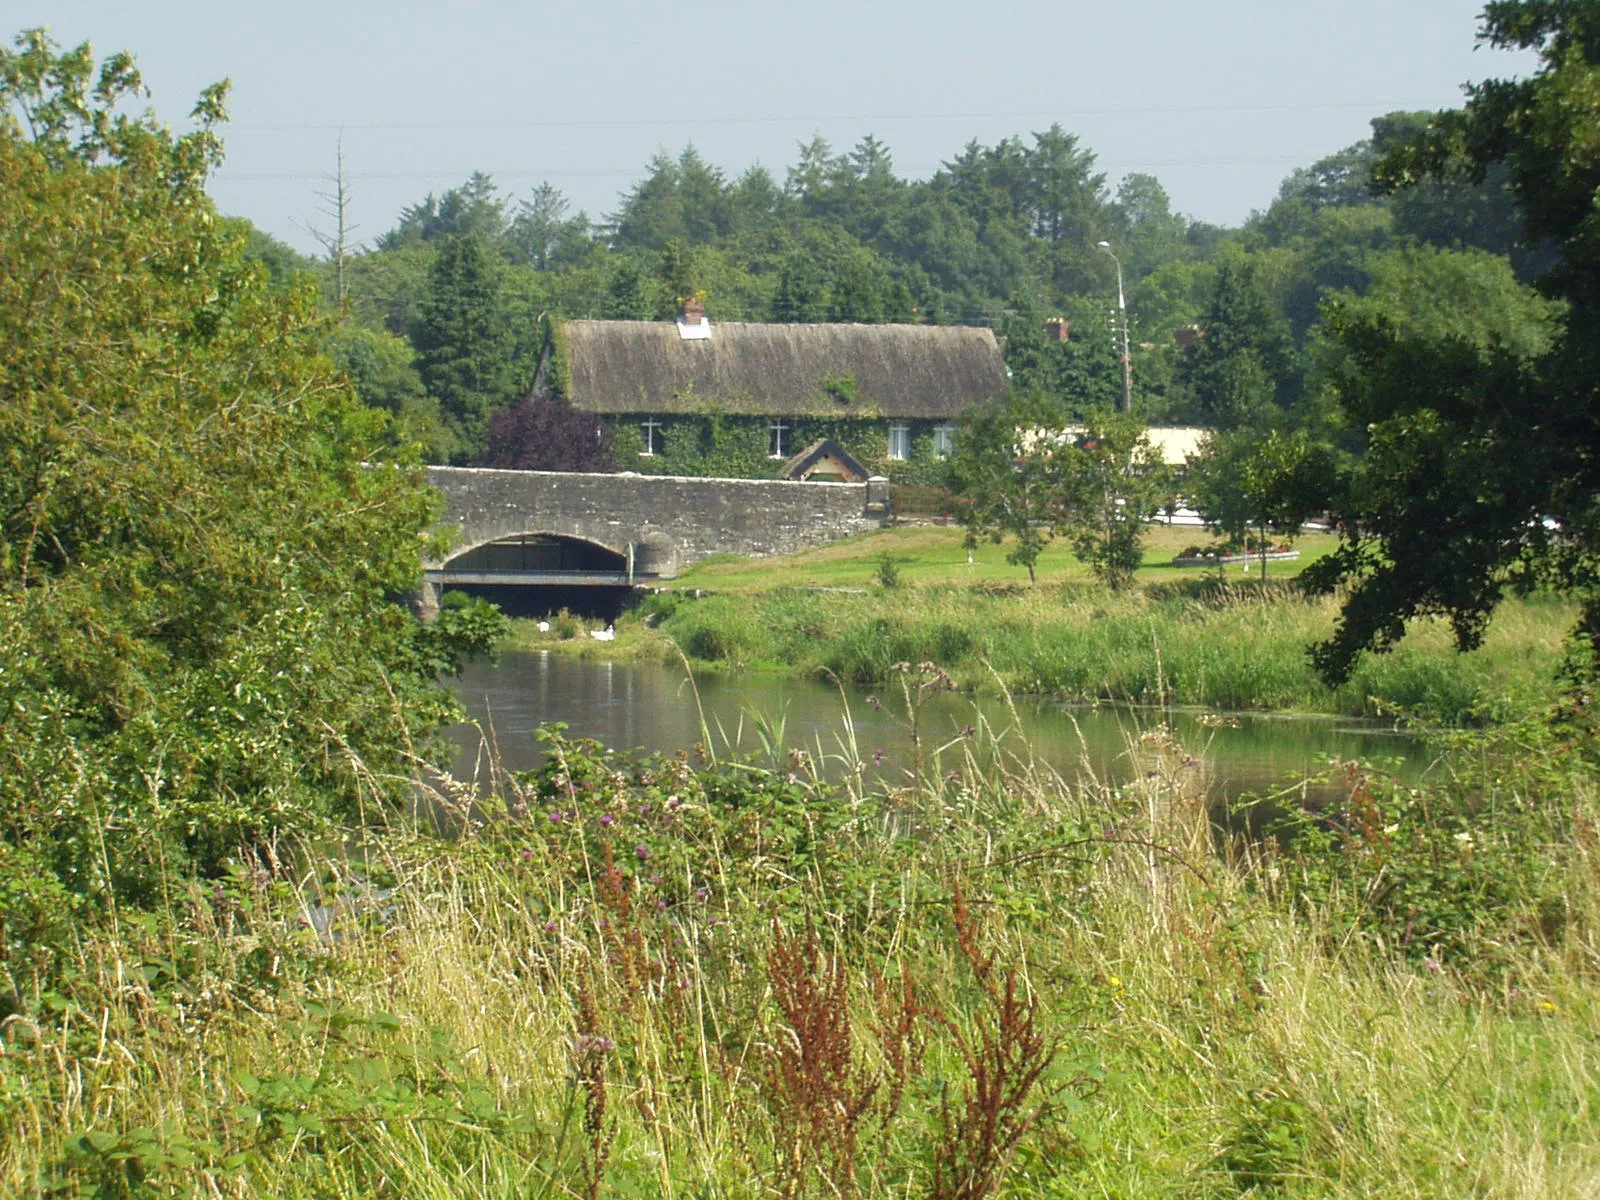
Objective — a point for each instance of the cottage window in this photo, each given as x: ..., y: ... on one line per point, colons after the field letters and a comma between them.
x: 900, y: 441
x: 779, y: 445
x: 652, y: 438
x: 944, y: 440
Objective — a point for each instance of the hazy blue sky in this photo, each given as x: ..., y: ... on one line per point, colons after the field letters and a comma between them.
x: 1220, y: 101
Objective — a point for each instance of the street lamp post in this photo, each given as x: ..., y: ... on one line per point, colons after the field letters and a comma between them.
x: 1122, y: 317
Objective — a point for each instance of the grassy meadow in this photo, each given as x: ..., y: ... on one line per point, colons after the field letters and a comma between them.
x: 1181, y: 636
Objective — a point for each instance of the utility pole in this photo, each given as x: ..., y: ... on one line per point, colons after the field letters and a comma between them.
x: 1122, y: 318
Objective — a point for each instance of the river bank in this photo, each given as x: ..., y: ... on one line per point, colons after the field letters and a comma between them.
x: 1232, y: 648
x: 692, y: 977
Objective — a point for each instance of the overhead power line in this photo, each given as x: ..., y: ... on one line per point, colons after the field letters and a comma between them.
x: 625, y: 172
x: 678, y: 122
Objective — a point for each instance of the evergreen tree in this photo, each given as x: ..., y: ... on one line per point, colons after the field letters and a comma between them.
x: 1244, y: 359
x: 630, y: 293
x: 463, y: 343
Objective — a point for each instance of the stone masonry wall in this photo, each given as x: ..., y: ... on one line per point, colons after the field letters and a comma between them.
x: 670, y: 522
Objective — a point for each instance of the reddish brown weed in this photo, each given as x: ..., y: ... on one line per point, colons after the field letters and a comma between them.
x: 1006, y: 1053
x: 817, y: 1089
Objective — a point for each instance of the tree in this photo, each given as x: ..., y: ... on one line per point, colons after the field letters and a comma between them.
x: 382, y: 370
x: 1017, y: 472
x: 1082, y: 374
x: 464, y: 346
x: 1248, y: 482
x: 539, y: 434
x: 1003, y: 476
x: 630, y: 293
x: 1152, y: 233
x: 1481, y: 473
x: 542, y: 235
x: 200, y: 533
x: 1113, y: 482
x: 1244, y: 357
x: 472, y: 209
x: 336, y: 207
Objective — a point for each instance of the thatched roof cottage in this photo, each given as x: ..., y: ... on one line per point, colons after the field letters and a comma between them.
x: 890, y: 394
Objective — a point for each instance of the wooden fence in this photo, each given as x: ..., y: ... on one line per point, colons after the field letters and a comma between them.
x: 920, y: 505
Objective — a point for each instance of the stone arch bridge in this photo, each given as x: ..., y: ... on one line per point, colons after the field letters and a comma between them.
x: 550, y: 528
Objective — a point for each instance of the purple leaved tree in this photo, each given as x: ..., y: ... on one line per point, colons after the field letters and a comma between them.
x: 547, y: 435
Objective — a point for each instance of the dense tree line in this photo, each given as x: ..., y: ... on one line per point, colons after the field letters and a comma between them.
x: 441, y: 327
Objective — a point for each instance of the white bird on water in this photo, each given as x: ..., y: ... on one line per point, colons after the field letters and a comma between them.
x: 608, y: 634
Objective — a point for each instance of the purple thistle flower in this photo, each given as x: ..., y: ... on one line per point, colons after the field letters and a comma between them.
x: 877, y: 757
x: 607, y: 819
x: 700, y: 893
x: 526, y: 855
x: 642, y: 851
x: 549, y: 926
x: 555, y: 818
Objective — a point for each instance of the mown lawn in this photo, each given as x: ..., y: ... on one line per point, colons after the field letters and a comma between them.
x: 931, y: 554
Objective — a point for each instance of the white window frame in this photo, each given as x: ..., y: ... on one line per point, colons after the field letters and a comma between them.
x: 900, y: 441
x: 944, y: 440
x: 652, y: 432
x: 778, y: 429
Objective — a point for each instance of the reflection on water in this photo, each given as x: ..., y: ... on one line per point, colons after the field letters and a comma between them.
x: 653, y: 707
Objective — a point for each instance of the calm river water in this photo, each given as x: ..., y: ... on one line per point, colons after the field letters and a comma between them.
x: 652, y: 707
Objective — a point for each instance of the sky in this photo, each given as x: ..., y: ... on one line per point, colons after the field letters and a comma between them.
x: 1219, y: 101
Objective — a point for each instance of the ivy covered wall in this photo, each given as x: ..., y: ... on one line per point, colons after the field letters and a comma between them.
x: 737, y: 447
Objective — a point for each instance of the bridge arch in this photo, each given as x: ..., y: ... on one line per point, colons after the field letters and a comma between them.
x: 658, y: 525
x: 536, y: 550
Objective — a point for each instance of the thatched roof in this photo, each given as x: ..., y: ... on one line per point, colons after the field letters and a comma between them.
x: 910, y: 371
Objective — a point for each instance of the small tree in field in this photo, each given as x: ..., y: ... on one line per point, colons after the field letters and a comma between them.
x: 1006, y: 483
x: 1263, y: 484
x: 1112, y: 482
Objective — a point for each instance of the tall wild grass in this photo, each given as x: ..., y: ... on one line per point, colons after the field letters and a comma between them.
x: 706, y: 975
x: 1231, y: 649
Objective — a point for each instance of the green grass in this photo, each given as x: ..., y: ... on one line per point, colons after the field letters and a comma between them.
x: 936, y: 555
x: 1232, y: 649
x: 515, y: 1020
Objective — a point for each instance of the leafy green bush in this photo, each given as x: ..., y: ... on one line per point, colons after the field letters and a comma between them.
x: 1465, y: 871
x: 200, y: 542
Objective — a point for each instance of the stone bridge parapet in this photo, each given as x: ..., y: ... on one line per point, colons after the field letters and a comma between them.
x: 659, y: 524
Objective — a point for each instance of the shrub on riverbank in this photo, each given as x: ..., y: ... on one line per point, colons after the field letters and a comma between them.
x: 200, y: 550
x: 1225, y: 648
x: 727, y: 978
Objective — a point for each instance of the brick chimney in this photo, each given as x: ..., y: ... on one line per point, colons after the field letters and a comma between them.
x: 694, y: 311
x: 1188, y: 336
x: 1057, y: 329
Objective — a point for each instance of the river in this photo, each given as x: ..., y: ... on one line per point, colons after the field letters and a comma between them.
x: 653, y: 707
